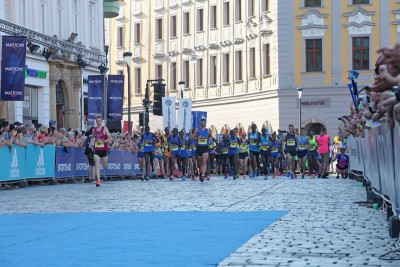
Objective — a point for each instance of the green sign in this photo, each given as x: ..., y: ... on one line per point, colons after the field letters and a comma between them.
x: 35, y: 73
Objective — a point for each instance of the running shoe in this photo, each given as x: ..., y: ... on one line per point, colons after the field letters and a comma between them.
x: 253, y: 175
x: 291, y: 176
x: 184, y: 178
x: 179, y: 174
x: 295, y: 175
x: 258, y: 173
x: 266, y: 177
x: 98, y: 183
x: 288, y: 174
x: 337, y: 176
x: 302, y: 176
x: 142, y: 178
x: 226, y: 176
x: 147, y: 178
x: 171, y: 178
x: 194, y: 178
x: 201, y: 178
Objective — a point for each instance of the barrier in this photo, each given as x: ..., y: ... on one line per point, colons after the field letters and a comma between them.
x: 64, y: 162
x: 12, y: 163
x: 40, y: 162
x: 80, y: 165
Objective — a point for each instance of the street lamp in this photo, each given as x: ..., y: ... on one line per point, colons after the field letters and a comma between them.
x: 128, y: 60
x: 181, y: 86
x: 300, y: 92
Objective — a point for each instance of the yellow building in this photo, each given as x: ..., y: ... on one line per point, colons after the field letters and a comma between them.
x: 243, y: 60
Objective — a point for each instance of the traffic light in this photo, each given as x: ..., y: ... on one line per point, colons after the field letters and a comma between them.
x: 142, y: 118
x: 159, y: 93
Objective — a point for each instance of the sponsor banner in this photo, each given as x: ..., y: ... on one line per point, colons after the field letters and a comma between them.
x: 115, y: 95
x: 95, y: 96
x: 64, y: 162
x: 169, y: 115
x: 13, y: 68
x: 127, y: 168
x: 355, y: 155
x: 12, y: 164
x: 81, y: 165
x: 196, y: 117
x: 185, y: 114
x: 40, y: 161
x: 115, y: 164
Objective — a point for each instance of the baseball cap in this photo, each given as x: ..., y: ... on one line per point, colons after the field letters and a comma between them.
x: 52, y: 122
x: 17, y: 123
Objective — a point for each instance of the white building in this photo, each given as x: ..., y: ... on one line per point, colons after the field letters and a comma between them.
x: 68, y: 29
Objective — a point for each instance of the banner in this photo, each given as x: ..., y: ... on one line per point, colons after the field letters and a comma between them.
x: 169, y: 115
x: 95, y: 96
x: 13, y: 62
x: 40, y: 161
x: 12, y: 164
x: 81, y: 165
x: 185, y: 114
x: 114, y: 166
x: 115, y: 96
x: 196, y: 117
x: 64, y: 162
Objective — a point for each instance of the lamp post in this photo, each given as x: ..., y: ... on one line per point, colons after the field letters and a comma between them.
x: 181, y: 86
x: 300, y: 92
x: 128, y: 60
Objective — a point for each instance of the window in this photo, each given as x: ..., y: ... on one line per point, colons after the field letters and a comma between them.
x: 159, y: 32
x: 43, y: 10
x: 313, y: 55
x: 59, y: 15
x: 252, y: 58
x: 200, y: 72
x: 186, y: 73
x: 361, y: 53
x: 200, y: 25
x: 137, y: 33
x: 238, y: 66
x: 91, y: 24
x: 173, y: 26
x: 173, y: 76
x: 238, y: 15
x: 360, y: 2
x: 76, y: 14
x: 138, y: 81
x: 186, y: 23
x: 251, y: 8
x: 30, y: 105
x: 226, y: 13
x: 226, y: 68
x: 213, y: 70
x: 213, y: 17
x: 265, y: 5
x: 267, y: 60
x: 313, y: 3
x: 158, y: 71
x: 120, y: 36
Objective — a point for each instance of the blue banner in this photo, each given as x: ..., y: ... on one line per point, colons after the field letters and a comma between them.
x: 95, y: 96
x: 40, y: 161
x: 115, y: 94
x: 81, y: 165
x: 64, y: 162
x: 13, y: 68
x: 127, y: 169
x: 115, y: 164
x: 196, y: 117
x: 12, y: 163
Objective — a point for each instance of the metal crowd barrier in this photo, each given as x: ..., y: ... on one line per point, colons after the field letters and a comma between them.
x: 51, y: 162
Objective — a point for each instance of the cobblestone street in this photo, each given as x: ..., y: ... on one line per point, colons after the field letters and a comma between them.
x: 323, y: 227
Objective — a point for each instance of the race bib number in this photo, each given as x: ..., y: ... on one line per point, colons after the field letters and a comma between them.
x: 233, y: 145
x: 264, y: 147
x: 312, y: 147
x: 202, y: 141
x: 148, y: 143
x: 274, y: 150
x: 194, y: 147
x: 302, y: 147
x: 183, y: 147
x: 291, y: 143
x: 253, y: 143
x: 210, y: 146
x: 174, y: 147
x: 225, y: 151
x: 98, y: 144
x: 243, y: 146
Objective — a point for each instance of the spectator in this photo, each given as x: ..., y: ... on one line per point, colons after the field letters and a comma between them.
x: 20, y: 138
x: 323, y: 149
x: 342, y: 165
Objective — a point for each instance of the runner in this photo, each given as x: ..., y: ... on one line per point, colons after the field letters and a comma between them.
x: 254, y: 147
x: 275, y: 146
x: 149, y: 140
x: 224, y: 145
x: 290, y: 151
x: 100, y: 138
x: 158, y: 157
x: 211, y: 152
x: 184, y: 153
x: 201, y: 136
x: 243, y: 153
x: 89, y: 152
x: 323, y: 149
x: 167, y: 151
x: 193, y: 147
x: 302, y: 143
x: 265, y: 151
x: 234, y: 154
x: 312, y: 155
x: 189, y: 170
x: 175, y: 144
x: 140, y: 156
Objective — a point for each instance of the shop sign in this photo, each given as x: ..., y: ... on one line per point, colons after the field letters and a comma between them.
x: 41, y: 74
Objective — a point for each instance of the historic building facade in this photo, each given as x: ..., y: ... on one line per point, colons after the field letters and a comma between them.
x: 243, y: 60
x: 67, y: 32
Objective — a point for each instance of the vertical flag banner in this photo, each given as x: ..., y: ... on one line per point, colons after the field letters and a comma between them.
x: 196, y: 117
x: 13, y: 62
x: 95, y: 96
x: 169, y: 114
x: 115, y: 96
x: 185, y: 114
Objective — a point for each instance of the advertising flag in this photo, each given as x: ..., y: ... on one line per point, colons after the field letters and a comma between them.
x: 169, y: 115
x: 13, y: 68
x: 95, y: 96
x: 115, y: 96
x: 185, y: 114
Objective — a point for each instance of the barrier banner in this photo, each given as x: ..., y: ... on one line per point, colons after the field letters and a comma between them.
x: 185, y: 114
x: 12, y: 163
x: 396, y: 164
x: 136, y: 167
x: 114, y: 163
x: 115, y: 94
x: 196, y: 117
x: 127, y: 158
x: 95, y: 96
x: 64, y: 162
x: 13, y: 63
x: 40, y: 161
x: 354, y: 150
x: 169, y: 114
x: 81, y: 165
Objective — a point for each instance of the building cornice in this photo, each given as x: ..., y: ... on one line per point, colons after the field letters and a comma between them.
x: 313, y: 11
x: 359, y: 9
x: 52, y: 42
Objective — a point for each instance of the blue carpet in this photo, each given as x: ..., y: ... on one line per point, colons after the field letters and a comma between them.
x: 127, y: 239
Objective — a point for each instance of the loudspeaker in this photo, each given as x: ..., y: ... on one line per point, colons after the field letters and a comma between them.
x: 114, y: 126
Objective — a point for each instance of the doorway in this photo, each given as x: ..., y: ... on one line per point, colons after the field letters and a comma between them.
x: 60, y: 105
x: 315, y: 127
